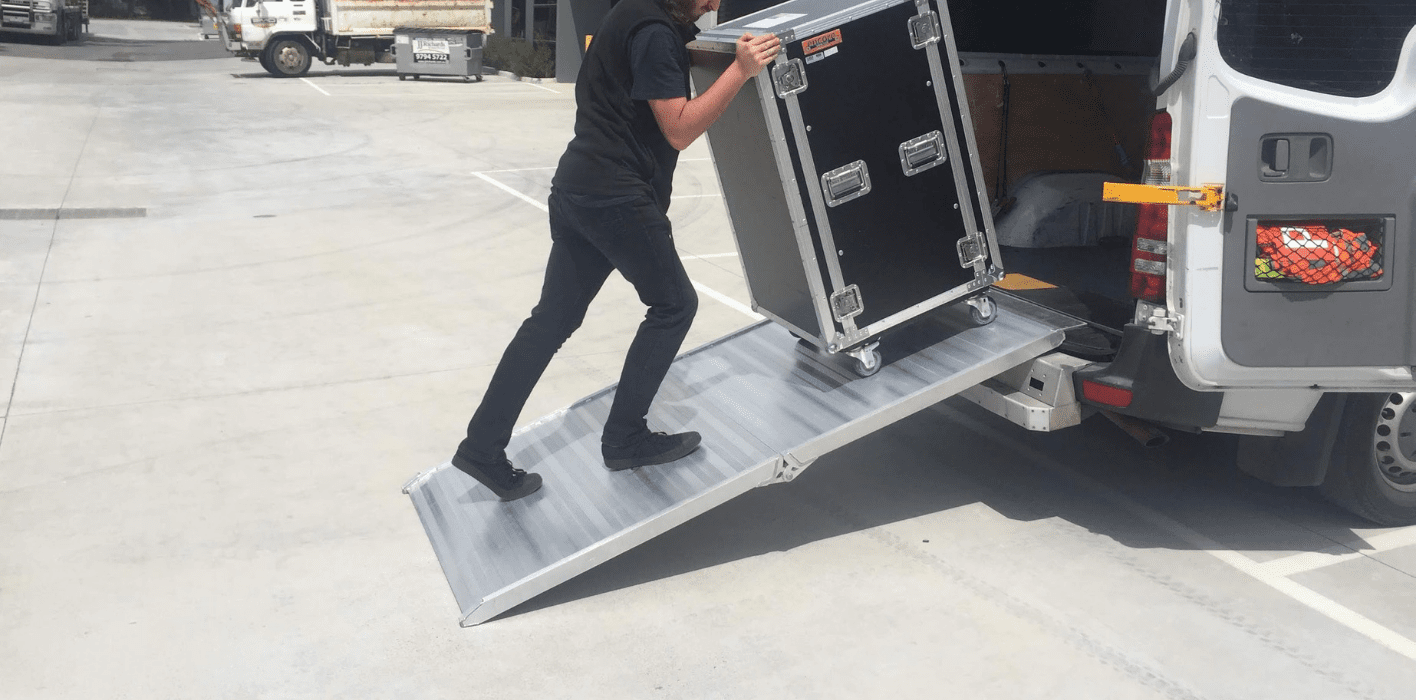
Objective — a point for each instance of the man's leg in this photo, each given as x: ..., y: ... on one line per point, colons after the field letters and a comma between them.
x: 642, y: 249
x: 574, y: 274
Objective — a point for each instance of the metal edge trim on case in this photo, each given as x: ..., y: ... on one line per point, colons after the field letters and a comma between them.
x: 915, y: 311
x: 990, y: 235
x: 776, y: 134
x: 951, y: 140
x: 850, y: 14
x: 818, y: 206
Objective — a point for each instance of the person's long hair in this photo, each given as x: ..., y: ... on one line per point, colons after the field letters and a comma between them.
x: 678, y: 10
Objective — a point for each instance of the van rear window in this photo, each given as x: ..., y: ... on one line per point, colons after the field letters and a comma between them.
x: 1348, y: 48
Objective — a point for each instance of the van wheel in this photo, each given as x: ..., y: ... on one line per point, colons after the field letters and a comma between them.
x: 1373, y: 470
x: 289, y: 58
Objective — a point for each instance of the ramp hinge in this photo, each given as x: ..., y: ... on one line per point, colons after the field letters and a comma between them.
x: 788, y: 469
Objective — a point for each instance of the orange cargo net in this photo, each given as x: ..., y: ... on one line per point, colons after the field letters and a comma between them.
x: 1310, y: 253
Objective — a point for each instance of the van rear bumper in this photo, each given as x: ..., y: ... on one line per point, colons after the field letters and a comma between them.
x: 1142, y: 367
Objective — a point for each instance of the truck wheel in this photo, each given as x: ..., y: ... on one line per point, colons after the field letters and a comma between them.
x: 289, y: 58
x: 1373, y: 470
x: 266, y: 64
x: 61, y: 32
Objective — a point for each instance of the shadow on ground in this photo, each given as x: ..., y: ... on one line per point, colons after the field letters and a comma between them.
x: 100, y: 48
x: 933, y: 462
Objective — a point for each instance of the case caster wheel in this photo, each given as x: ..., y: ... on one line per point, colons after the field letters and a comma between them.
x: 983, y: 309
x: 402, y: 78
x: 867, y: 360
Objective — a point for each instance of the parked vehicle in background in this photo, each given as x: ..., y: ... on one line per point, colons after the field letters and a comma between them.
x: 286, y: 36
x: 59, y: 20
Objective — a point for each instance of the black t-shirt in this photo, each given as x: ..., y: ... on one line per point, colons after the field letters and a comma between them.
x: 657, y: 65
x: 618, y: 148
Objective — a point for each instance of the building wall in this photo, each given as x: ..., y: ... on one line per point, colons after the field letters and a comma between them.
x: 575, y: 20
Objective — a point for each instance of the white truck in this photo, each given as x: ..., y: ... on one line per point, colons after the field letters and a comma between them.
x: 287, y: 35
x: 59, y: 20
x: 1206, y: 212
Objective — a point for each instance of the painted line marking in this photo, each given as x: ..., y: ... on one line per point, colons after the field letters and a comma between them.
x: 515, y: 193
x: 1337, y: 554
x: 1317, y: 602
x: 702, y: 288
x: 705, y: 256
x: 510, y: 170
x: 728, y: 301
x: 322, y: 92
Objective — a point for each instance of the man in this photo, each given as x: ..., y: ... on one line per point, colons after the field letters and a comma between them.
x: 609, y: 202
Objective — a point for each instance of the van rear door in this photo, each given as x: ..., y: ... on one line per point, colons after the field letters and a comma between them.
x: 1306, y: 112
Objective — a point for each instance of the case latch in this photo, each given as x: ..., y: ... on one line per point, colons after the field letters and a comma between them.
x: 847, y: 303
x: 972, y: 250
x: 925, y: 30
x: 789, y: 77
x: 923, y: 153
x: 846, y: 183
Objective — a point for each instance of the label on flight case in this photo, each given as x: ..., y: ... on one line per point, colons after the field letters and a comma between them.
x: 824, y: 54
x: 821, y: 42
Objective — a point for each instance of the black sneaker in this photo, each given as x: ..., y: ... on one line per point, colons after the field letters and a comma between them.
x: 506, y: 481
x: 655, y: 448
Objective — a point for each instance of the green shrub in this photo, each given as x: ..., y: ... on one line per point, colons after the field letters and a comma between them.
x: 528, y: 59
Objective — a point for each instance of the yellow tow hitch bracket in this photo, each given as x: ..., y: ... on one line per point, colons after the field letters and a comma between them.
x: 1208, y: 197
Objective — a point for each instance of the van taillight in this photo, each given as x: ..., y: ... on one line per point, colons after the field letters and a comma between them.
x: 1149, y: 247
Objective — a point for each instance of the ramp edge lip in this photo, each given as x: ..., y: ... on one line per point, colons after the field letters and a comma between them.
x: 568, y: 567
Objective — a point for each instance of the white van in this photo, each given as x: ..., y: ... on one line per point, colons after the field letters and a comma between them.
x: 1274, y: 298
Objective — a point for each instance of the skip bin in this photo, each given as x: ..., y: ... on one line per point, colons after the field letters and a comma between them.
x: 433, y: 51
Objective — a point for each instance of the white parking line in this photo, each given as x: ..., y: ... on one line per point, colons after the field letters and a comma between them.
x: 322, y: 92
x: 1336, y: 554
x: 512, y: 170
x: 702, y: 288
x: 706, y: 256
x: 515, y: 193
x: 543, y: 87
x: 1312, y: 599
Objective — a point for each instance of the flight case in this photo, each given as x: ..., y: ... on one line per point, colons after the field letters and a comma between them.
x: 850, y: 172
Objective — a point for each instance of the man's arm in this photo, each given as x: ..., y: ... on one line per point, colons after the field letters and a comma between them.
x: 683, y: 120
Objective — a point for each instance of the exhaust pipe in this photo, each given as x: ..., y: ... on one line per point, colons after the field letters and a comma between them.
x: 1144, y: 433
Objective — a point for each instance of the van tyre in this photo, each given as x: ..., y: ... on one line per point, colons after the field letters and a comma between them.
x: 287, y: 58
x: 1373, y: 469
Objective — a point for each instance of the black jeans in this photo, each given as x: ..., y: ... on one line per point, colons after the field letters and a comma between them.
x: 590, y: 236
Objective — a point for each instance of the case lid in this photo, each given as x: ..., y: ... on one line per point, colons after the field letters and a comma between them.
x: 790, y: 20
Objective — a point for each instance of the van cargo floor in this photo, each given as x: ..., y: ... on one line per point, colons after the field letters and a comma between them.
x: 766, y: 409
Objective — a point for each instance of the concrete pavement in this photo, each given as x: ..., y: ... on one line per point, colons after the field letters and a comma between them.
x: 287, y: 302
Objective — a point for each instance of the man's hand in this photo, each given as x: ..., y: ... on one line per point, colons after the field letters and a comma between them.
x: 682, y: 120
x: 755, y: 52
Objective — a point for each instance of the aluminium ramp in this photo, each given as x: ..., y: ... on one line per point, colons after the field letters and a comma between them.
x: 766, y: 410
